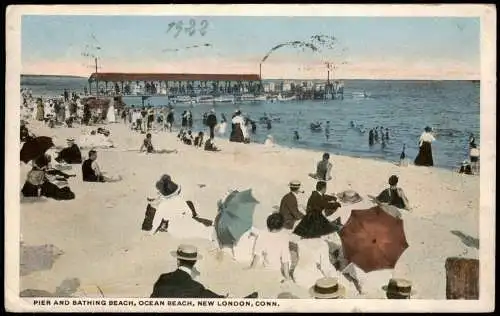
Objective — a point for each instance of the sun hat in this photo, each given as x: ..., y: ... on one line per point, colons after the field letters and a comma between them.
x: 71, y: 139
x: 399, y: 287
x: 166, y: 186
x: 349, y: 196
x: 294, y: 184
x: 327, y: 288
x: 186, y: 252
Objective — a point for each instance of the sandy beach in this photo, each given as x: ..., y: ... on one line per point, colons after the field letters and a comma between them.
x: 103, y: 244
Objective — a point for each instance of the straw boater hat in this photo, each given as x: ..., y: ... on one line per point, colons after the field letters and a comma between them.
x: 70, y: 139
x: 327, y: 288
x: 399, y: 287
x: 186, y: 252
x: 350, y: 196
x: 294, y: 184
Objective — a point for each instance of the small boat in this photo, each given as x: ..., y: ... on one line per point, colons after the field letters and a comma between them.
x: 225, y: 99
x: 316, y: 127
x: 285, y: 99
x: 203, y: 99
x: 183, y: 99
x: 260, y: 98
x: 247, y: 98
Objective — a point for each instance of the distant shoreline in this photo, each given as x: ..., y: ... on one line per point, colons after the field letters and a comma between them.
x: 274, y: 79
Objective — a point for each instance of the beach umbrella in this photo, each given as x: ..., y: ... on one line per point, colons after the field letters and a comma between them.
x: 235, y: 217
x: 35, y: 147
x: 373, y: 239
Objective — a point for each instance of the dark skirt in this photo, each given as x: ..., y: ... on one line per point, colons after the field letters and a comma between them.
x: 424, y: 157
x: 49, y: 190
x: 314, y: 225
x: 236, y: 134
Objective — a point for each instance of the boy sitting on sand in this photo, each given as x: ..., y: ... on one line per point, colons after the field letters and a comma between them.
x: 323, y: 169
x: 91, y: 171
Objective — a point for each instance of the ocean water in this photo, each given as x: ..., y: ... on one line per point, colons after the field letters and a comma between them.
x: 451, y: 108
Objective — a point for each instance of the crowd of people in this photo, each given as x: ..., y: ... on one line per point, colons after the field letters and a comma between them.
x: 295, y: 243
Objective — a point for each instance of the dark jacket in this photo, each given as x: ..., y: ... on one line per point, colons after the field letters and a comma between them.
x: 317, y: 203
x: 211, y: 120
x: 179, y: 284
x: 70, y: 155
x: 290, y: 210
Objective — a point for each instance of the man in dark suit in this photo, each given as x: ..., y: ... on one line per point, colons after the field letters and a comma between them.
x: 212, y: 122
x: 180, y: 283
x: 289, y: 206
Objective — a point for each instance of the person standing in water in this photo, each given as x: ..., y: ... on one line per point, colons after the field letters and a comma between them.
x: 386, y: 133
x: 424, y: 157
x: 327, y: 130
x: 296, y: 136
x: 375, y: 134
x: 371, y: 137
x: 269, y: 124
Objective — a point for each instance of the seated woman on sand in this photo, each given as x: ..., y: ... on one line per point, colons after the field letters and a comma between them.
x: 188, y: 138
x: 269, y: 141
x: 70, y: 154
x: 210, y: 145
x: 147, y: 145
x: 173, y: 214
x: 91, y: 172
x: 198, y: 140
x: 393, y: 195
x: 96, y: 140
x: 42, y: 180
x: 323, y: 169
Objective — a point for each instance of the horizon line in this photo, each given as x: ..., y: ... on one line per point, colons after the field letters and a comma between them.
x: 263, y: 79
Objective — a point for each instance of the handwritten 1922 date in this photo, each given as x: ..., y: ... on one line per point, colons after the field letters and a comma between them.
x: 189, y: 28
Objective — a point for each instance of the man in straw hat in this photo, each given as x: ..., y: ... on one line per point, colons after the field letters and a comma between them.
x: 289, y: 205
x: 327, y: 288
x: 180, y: 283
x: 398, y: 289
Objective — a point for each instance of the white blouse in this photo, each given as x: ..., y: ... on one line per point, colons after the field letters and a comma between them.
x: 426, y: 137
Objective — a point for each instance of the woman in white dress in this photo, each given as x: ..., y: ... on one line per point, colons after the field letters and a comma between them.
x: 110, y: 117
x: 173, y: 209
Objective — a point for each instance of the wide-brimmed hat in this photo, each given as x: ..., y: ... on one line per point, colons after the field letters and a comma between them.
x: 349, y: 196
x: 294, y: 184
x: 186, y: 252
x: 399, y: 287
x: 327, y: 288
x: 70, y: 139
x: 166, y: 186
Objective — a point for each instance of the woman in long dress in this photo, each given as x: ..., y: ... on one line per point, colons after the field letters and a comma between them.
x: 110, y: 117
x: 424, y: 157
x: 238, y: 133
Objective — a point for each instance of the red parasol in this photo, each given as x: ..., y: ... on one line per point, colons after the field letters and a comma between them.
x: 373, y: 240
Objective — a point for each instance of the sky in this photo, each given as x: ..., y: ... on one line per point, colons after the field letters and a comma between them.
x: 366, y: 47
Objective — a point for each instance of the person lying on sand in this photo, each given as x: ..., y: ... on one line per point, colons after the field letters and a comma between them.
x: 181, y: 283
x: 147, y: 145
x: 323, y: 169
x: 393, y: 195
x: 91, y: 171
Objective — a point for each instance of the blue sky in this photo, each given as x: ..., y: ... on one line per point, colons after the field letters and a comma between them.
x: 415, y: 46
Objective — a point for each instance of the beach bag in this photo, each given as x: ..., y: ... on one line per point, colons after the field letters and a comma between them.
x: 147, y: 224
x: 36, y: 177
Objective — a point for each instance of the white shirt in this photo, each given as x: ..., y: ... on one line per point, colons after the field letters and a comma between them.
x: 474, y: 152
x: 426, y: 137
x: 312, y: 252
x: 239, y: 120
x: 273, y: 249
